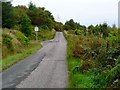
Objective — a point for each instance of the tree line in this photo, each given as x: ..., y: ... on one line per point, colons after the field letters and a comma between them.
x: 23, y: 19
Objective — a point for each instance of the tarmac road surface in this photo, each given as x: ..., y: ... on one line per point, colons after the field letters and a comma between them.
x: 46, y: 68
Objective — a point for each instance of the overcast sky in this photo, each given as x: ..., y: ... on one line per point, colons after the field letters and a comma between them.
x: 86, y: 12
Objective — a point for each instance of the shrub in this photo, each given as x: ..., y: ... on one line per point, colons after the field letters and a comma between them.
x: 99, y: 53
x: 86, y: 65
x: 7, y: 46
x: 23, y: 39
x: 118, y: 60
x: 26, y: 26
x: 71, y: 32
x: 7, y: 41
x: 78, y: 50
x: 113, y: 74
x: 78, y: 32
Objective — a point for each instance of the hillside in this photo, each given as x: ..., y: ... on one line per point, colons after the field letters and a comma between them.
x: 16, y: 46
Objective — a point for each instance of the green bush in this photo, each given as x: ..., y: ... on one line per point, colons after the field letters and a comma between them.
x: 113, y: 74
x: 26, y: 26
x: 7, y: 46
x: 23, y: 39
x: 96, y: 52
x: 78, y: 32
x: 118, y: 60
x: 45, y: 34
x: 7, y: 41
x: 78, y: 50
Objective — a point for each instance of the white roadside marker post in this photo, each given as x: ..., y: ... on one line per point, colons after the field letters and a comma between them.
x: 36, y: 30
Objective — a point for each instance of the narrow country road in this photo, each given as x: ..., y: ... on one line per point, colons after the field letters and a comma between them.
x: 45, y: 69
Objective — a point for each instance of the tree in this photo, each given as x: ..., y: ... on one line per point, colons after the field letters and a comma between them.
x: 113, y: 26
x: 7, y: 15
x: 31, y: 6
x: 104, y: 29
x: 19, y: 12
x: 26, y: 26
x: 40, y: 17
x: 70, y: 25
x: 58, y: 26
x: 49, y: 14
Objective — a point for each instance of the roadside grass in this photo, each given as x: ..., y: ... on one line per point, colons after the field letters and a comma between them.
x: 21, y: 51
x: 12, y: 59
x: 76, y: 79
x: 93, y: 61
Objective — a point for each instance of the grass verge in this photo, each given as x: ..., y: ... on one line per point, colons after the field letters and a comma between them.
x: 12, y: 59
x: 19, y: 47
x: 76, y: 79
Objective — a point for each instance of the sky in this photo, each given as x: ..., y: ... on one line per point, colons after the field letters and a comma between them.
x: 85, y: 12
